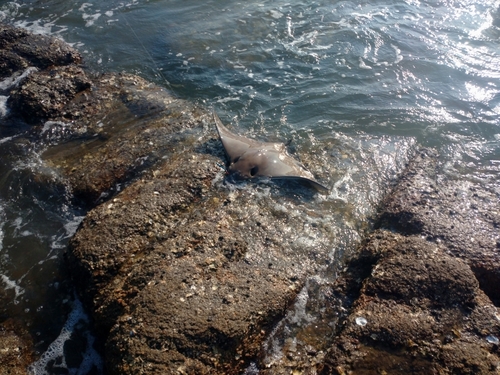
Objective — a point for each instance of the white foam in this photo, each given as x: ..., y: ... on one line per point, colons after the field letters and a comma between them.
x: 48, y: 125
x: 275, y: 14
x: 11, y: 284
x: 36, y: 27
x: 228, y: 99
x: 7, y: 281
x: 55, y: 350
x: 2, y: 222
x: 298, y: 315
x: 72, y: 225
x: 362, y: 64
x: 3, y: 107
x: 9, y: 11
x: 90, y: 18
x: 14, y: 79
x: 59, y: 242
x: 399, y: 57
x: 84, y: 6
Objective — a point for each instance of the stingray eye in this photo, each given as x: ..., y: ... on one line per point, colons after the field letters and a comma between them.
x: 236, y: 159
x: 254, y: 171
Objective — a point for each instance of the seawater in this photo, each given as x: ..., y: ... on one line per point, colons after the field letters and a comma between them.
x: 372, y: 77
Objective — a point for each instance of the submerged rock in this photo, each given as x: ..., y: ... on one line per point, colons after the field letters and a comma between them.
x: 124, y: 126
x: 98, y: 131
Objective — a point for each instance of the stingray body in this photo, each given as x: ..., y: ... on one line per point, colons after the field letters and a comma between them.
x: 249, y: 158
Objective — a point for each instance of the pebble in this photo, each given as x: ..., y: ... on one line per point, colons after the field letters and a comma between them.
x: 492, y: 339
x: 360, y: 321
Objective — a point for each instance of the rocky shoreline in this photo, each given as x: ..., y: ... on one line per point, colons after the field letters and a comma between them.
x: 426, y: 280
x: 182, y: 279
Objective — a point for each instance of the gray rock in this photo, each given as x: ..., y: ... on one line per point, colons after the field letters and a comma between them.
x: 20, y: 49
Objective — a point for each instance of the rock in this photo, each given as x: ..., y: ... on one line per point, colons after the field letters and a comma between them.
x: 15, y: 351
x: 20, y: 49
x: 178, y: 276
x: 419, y: 310
x: 424, y: 300
x: 124, y: 126
x: 102, y: 130
x: 184, y: 278
x: 44, y: 94
x: 462, y: 213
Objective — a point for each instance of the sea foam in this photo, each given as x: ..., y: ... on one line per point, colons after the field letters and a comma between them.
x: 55, y: 357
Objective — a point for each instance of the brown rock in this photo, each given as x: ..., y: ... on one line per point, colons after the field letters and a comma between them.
x: 15, y: 352
x: 461, y: 213
x: 419, y: 311
x: 421, y: 305
x: 184, y: 278
x: 45, y: 93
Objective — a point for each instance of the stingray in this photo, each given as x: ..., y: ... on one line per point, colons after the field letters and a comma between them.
x: 249, y: 159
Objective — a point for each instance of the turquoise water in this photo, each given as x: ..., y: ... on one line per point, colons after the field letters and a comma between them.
x: 375, y: 77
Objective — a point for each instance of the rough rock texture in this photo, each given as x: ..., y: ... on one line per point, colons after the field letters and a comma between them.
x: 424, y: 297
x: 461, y: 213
x: 103, y: 130
x: 128, y: 125
x: 45, y: 93
x: 186, y: 278
x: 15, y: 351
x: 178, y: 275
x: 20, y: 49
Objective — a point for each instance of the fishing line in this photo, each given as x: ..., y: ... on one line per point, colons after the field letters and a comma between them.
x: 146, y: 51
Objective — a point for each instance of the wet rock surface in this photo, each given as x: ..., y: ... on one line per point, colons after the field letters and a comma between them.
x: 460, y: 212
x: 44, y: 94
x: 180, y: 277
x: 102, y: 129
x: 188, y: 278
x: 128, y: 125
x: 427, y: 296
x: 16, y: 352
x: 20, y: 49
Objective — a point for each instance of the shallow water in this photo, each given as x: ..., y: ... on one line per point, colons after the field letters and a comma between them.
x: 356, y: 85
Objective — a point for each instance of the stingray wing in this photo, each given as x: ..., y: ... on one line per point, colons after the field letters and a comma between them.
x: 236, y: 145
x: 280, y: 165
x: 307, y: 181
